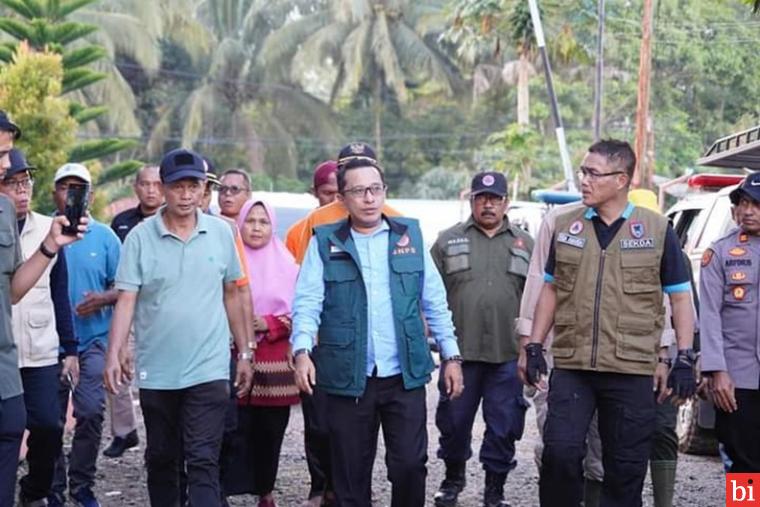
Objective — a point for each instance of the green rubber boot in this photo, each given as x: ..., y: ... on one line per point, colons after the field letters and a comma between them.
x: 592, y: 493
x: 663, y: 482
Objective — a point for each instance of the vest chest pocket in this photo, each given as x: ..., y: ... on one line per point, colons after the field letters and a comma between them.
x: 341, y: 286
x: 641, y: 272
x: 741, y: 286
x: 410, y: 270
x: 456, y: 259
x: 567, y: 260
x: 635, y: 338
x: 519, y: 260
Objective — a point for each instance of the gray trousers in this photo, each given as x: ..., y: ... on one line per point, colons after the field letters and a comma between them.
x: 122, y: 406
x: 89, y: 398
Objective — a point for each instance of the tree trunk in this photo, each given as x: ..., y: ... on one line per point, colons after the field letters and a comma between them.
x: 641, y: 178
x: 377, y: 112
x: 523, y: 92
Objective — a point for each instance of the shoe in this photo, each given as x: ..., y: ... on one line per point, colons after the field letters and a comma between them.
x: 493, y: 496
x: 85, y: 498
x: 56, y: 500
x: 40, y: 502
x: 121, y: 444
x: 453, y: 484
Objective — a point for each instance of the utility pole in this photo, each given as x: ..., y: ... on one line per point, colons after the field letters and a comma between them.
x: 643, y: 177
x: 559, y: 129
x: 599, y: 81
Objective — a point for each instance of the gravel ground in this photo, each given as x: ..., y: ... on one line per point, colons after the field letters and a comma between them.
x: 121, y: 482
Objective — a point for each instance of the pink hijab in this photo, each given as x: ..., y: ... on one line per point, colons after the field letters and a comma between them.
x: 272, y: 269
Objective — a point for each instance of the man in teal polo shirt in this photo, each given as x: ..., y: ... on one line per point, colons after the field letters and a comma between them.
x: 177, y: 279
x: 363, y: 287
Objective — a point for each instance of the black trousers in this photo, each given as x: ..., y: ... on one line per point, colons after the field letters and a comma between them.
x: 626, y: 415
x: 739, y: 432
x: 354, y: 424
x: 43, y: 420
x: 251, y: 453
x: 187, y: 422
x: 317, y: 441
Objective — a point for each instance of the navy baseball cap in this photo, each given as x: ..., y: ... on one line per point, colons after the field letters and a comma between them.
x: 180, y: 164
x: 489, y: 182
x: 18, y: 163
x: 7, y: 125
x: 750, y: 187
x: 357, y: 155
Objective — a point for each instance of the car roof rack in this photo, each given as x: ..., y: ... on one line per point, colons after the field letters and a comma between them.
x: 737, y: 151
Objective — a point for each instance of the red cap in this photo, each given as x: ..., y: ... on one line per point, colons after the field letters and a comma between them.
x: 323, y: 172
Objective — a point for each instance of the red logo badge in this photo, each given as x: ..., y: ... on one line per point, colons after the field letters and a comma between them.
x: 637, y: 230
x: 576, y: 228
x: 403, y: 241
x: 743, y: 237
x: 742, y: 490
x: 739, y: 293
x: 707, y: 257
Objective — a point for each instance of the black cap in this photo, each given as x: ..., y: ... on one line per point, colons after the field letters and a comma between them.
x: 489, y: 182
x: 750, y: 187
x: 357, y: 155
x: 7, y: 125
x: 18, y: 163
x: 181, y: 163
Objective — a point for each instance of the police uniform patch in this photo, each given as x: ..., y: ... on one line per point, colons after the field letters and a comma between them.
x: 743, y: 237
x: 488, y: 180
x: 737, y: 251
x: 519, y: 243
x: 637, y: 229
x: 739, y: 293
x: 707, y: 257
x: 576, y: 227
x: 738, y: 276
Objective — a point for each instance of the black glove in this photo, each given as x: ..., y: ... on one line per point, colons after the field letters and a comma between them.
x: 682, y: 379
x: 535, y: 365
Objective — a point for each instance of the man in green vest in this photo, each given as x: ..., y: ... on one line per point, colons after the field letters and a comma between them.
x: 363, y: 288
x: 605, y: 276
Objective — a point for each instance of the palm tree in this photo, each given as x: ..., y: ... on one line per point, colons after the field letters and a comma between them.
x: 233, y: 104
x: 381, y: 49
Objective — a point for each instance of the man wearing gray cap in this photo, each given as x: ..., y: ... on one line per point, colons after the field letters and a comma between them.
x: 177, y: 279
x: 91, y: 267
x: 728, y: 320
x: 483, y: 262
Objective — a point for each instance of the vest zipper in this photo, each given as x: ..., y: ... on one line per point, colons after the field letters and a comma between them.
x: 597, y: 302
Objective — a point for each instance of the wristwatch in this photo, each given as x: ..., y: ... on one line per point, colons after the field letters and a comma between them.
x: 47, y: 253
x: 245, y: 356
x: 665, y: 360
x: 455, y: 357
x: 299, y: 352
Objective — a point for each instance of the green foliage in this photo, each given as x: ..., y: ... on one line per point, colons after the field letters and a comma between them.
x: 30, y: 89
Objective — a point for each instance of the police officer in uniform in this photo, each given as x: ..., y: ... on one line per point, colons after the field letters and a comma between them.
x: 483, y: 262
x: 364, y: 285
x: 607, y: 269
x: 730, y: 331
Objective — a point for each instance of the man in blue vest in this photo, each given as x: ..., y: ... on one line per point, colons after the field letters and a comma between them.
x: 363, y: 288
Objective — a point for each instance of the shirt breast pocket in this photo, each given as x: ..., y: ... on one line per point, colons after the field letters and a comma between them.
x: 456, y: 259
x: 741, y: 287
x: 7, y: 252
x: 518, y: 263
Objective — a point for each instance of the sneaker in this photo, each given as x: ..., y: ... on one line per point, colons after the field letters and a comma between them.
x: 85, y: 498
x: 121, y: 444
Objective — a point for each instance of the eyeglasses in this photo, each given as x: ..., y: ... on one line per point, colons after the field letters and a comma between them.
x: 485, y: 197
x: 593, y: 174
x: 361, y: 192
x: 231, y: 189
x: 19, y: 185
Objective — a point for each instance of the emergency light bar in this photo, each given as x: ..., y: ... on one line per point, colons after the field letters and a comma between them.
x: 555, y: 196
x: 715, y: 181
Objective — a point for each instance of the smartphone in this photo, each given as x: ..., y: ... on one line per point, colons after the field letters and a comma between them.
x: 76, y: 207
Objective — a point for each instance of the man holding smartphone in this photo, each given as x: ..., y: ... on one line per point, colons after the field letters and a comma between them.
x: 92, y: 266
x: 41, y: 324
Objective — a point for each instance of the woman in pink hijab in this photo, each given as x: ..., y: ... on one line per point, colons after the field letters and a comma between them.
x: 253, y: 451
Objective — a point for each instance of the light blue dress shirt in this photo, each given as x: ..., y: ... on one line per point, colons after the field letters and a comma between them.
x: 382, y: 348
